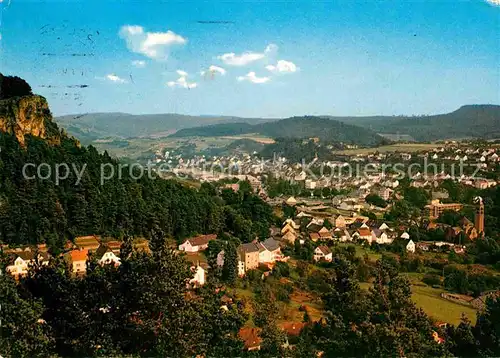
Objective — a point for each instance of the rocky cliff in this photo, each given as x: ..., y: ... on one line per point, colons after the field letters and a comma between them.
x: 28, y: 115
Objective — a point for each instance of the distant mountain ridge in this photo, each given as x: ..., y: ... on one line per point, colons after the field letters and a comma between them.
x: 295, y: 127
x: 92, y: 126
x: 481, y: 121
x: 469, y: 121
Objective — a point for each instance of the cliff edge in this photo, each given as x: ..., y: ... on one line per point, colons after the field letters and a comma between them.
x: 28, y: 115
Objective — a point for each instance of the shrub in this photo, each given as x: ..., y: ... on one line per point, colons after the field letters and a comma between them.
x: 431, y: 280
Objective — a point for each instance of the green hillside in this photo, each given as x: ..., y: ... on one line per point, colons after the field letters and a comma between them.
x: 482, y: 121
x: 294, y: 127
x: 92, y: 126
x: 478, y: 121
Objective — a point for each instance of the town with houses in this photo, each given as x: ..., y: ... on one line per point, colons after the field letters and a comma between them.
x: 464, y: 162
x: 252, y: 179
x: 319, y: 220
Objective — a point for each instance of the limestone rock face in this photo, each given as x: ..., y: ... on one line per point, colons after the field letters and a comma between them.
x: 27, y: 115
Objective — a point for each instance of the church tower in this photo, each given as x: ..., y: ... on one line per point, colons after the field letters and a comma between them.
x: 479, y: 217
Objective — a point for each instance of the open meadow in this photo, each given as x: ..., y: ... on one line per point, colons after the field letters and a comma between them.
x: 400, y: 147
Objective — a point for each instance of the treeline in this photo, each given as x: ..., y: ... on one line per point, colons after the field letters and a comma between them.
x: 38, y: 210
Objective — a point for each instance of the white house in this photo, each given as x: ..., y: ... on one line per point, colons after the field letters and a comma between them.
x: 410, y: 247
x: 380, y: 237
x: 269, y: 251
x: 198, y: 277
x: 105, y: 256
x: 198, y: 243
x: 322, y: 253
x: 310, y: 184
x: 20, y: 262
x: 341, y: 235
x: 405, y: 236
x: 265, y: 256
x: 386, y: 193
x: 384, y: 226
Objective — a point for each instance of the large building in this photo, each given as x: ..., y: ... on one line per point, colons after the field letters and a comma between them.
x: 436, y: 208
x: 249, y: 257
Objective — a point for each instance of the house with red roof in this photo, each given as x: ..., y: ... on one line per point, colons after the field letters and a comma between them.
x: 251, y: 338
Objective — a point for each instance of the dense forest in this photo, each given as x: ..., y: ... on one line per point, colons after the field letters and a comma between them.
x: 35, y: 208
x: 38, y: 210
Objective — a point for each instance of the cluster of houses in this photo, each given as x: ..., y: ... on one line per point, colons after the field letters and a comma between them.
x: 248, y: 166
x: 251, y: 255
x: 76, y: 254
x: 337, y: 228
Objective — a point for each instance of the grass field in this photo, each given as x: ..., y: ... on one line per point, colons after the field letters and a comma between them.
x: 253, y: 136
x: 401, y: 147
x: 136, y: 148
x: 429, y: 299
x: 361, y: 251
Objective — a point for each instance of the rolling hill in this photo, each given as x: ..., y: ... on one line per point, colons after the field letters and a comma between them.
x: 480, y: 121
x: 92, y: 126
x: 476, y: 121
x: 295, y: 127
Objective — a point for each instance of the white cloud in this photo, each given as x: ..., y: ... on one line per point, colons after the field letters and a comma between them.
x: 182, y: 81
x: 493, y: 2
x: 232, y: 59
x: 252, y: 77
x: 139, y: 63
x: 154, y: 45
x: 283, y: 67
x: 217, y: 69
x: 245, y: 58
x: 115, y: 78
x: 271, y: 48
x: 212, y: 70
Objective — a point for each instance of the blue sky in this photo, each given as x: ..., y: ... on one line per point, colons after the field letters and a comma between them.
x: 270, y: 59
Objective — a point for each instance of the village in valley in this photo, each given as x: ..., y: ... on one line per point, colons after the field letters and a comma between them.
x: 253, y: 179
x: 428, y: 223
